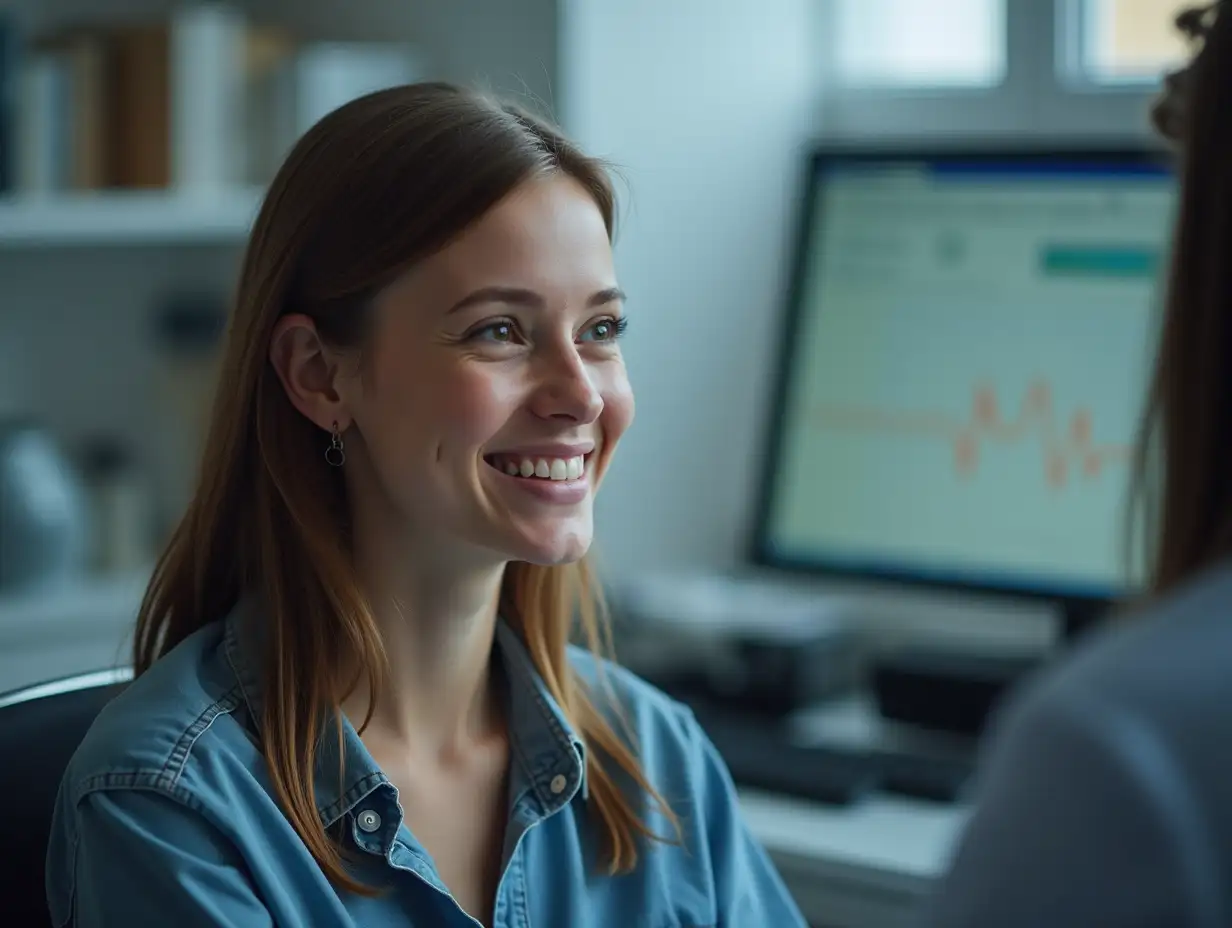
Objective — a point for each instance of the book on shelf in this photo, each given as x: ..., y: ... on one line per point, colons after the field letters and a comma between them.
x: 202, y: 100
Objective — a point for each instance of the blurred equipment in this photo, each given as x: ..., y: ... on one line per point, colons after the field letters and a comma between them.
x: 945, y: 691
x: 773, y: 757
x: 766, y: 671
x: 44, y: 521
x: 967, y: 342
x: 732, y: 643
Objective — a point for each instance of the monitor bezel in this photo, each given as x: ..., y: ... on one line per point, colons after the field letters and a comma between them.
x: 1075, y: 601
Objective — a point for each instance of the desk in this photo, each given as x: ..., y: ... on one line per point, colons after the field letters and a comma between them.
x: 868, y: 865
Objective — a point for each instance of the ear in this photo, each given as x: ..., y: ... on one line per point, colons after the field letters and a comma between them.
x: 308, y: 371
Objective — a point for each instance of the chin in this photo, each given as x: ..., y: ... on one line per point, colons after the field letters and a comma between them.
x: 550, y: 548
x: 554, y: 555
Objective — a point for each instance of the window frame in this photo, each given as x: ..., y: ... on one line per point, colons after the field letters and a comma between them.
x: 1042, y: 97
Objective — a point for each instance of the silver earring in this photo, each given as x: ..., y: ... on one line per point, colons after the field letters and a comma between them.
x: 335, y: 456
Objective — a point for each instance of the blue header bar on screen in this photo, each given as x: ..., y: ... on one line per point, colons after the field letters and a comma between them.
x: 945, y: 169
x: 1048, y: 169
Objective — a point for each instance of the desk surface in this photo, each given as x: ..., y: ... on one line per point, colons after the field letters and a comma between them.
x: 883, y: 833
x: 868, y: 865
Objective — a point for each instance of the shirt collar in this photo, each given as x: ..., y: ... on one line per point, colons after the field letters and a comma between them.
x: 549, y: 757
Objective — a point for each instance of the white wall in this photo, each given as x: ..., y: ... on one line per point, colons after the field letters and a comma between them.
x: 707, y: 106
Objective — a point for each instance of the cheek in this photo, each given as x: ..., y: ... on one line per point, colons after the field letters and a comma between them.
x: 468, y: 407
x: 419, y: 408
x: 618, y: 405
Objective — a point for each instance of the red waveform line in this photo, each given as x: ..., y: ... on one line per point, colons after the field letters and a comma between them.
x: 1062, y: 449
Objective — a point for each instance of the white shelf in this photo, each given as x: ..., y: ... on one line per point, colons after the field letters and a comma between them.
x: 109, y: 218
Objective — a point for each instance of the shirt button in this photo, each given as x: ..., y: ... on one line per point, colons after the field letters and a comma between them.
x: 369, y: 821
x: 558, y: 784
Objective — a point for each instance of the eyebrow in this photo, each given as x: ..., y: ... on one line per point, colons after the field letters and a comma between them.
x: 517, y: 296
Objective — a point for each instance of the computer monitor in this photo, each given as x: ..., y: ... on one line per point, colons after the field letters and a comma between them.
x: 967, y: 346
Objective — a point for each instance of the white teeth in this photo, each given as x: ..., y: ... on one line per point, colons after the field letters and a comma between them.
x: 544, y: 468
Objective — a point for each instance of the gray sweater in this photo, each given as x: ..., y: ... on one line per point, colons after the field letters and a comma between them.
x: 1106, y: 793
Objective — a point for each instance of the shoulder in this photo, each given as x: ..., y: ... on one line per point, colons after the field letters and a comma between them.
x: 151, y: 735
x: 1124, y: 724
x: 1158, y: 668
x: 1113, y: 746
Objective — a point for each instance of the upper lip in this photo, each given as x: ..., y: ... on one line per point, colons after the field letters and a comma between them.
x: 550, y: 450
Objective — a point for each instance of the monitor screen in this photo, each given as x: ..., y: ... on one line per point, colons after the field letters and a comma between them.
x: 967, y: 350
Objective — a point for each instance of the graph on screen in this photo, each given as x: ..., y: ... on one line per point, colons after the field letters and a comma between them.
x: 1066, y: 447
x: 967, y: 373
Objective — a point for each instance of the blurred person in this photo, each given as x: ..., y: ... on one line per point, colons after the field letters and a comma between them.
x: 1106, y: 798
x: 355, y: 699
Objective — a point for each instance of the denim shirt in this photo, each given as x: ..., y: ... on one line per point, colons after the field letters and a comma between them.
x: 167, y: 816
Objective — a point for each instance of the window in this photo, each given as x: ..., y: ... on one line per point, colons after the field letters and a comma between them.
x: 897, y: 44
x: 994, y: 68
x: 1129, y: 41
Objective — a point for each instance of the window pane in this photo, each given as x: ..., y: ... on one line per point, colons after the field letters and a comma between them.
x: 1130, y: 40
x: 919, y: 43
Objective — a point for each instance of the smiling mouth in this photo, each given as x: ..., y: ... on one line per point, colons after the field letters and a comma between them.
x: 530, y: 468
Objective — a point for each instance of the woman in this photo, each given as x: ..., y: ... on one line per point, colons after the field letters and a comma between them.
x: 1107, y: 796
x: 355, y: 701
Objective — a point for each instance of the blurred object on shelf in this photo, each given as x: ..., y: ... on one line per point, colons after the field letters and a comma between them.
x: 44, y: 517
x: 207, y: 96
x: 270, y: 52
x: 325, y: 75
x: 140, y: 108
x: 122, y: 505
x: 199, y: 102
x: 187, y: 330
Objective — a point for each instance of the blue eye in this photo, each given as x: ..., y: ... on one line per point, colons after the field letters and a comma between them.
x: 606, y: 330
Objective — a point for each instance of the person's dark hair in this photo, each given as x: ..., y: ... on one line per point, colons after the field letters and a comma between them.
x: 1184, y: 461
x: 376, y: 186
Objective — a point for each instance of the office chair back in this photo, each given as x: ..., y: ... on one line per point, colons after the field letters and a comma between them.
x: 40, y: 728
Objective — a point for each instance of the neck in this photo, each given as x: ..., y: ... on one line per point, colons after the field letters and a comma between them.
x: 437, y: 626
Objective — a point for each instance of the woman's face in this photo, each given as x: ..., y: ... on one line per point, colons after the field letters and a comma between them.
x: 492, y: 392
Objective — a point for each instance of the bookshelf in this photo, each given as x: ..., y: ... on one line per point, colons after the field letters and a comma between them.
x: 110, y: 218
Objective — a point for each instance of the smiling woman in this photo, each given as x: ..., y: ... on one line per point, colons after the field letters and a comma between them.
x: 356, y: 701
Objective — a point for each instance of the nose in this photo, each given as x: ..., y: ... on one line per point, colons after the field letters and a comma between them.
x: 566, y: 388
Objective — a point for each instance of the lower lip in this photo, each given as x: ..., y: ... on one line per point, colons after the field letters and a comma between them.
x: 562, y: 492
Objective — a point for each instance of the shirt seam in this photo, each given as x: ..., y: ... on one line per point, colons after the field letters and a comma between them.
x: 167, y: 776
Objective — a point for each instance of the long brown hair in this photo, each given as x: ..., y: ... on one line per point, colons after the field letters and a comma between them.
x: 376, y: 186
x: 1184, y: 468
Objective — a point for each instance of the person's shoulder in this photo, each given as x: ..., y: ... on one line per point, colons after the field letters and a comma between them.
x: 153, y: 732
x: 1149, y: 676
x: 1158, y: 660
